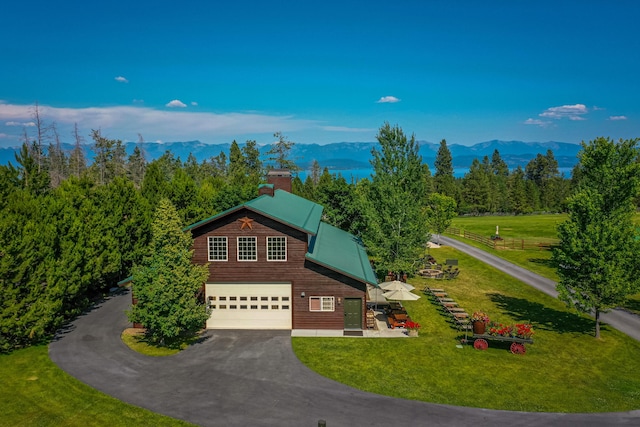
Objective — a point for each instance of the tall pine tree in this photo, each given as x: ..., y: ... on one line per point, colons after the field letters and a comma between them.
x: 166, y: 284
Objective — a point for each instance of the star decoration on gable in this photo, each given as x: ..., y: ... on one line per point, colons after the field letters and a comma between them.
x: 246, y: 222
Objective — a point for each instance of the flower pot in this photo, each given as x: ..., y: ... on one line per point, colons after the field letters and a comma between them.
x: 479, y: 327
x: 413, y: 332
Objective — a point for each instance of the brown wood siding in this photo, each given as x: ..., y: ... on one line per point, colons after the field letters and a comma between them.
x: 303, y: 275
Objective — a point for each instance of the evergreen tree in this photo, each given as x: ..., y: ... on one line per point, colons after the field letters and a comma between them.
x: 394, y: 202
x: 109, y: 159
x: 166, y: 284
x: 252, y: 158
x: 341, y: 206
x: 136, y: 165
x: 476, y: 188
x: 443, y: 180
x: 500, y: 172
x: 33, y: 175
x: 518, y: 193
x: 597, y: 254
x: 541, y: 170
x: 237, y: 165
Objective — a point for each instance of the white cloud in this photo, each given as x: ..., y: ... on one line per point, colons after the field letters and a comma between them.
x: 388, y: 99
x: 194, y: 104
x: 346, y: 129
x: 22, y: 124
x: 126, y: 122
x: 121, y: 79
x: 572, y: 112
x: 3, y: 135
x: 176, y: 103
x: 615, y: 118
x: 536, y: 122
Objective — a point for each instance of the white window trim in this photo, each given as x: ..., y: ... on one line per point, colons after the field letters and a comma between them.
x: 226, y: 253
x: 255, y: 240
x: 285, y: 249
x: 322, y: 301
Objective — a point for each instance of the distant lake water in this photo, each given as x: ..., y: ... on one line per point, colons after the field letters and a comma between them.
x: 358, y: 174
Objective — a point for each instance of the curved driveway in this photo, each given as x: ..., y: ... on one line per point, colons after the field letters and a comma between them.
x: 252, y: 378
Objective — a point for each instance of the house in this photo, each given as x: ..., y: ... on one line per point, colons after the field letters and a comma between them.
x: 274, y: 264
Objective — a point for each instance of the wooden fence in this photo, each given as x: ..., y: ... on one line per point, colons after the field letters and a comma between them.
x: 504, y: 243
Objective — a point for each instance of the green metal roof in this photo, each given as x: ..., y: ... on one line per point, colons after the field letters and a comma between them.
x: 290, y: 209
x: 342, y: 252
x: 284, y: 207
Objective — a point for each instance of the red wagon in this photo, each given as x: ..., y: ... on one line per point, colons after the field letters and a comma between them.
x: 480, y: 342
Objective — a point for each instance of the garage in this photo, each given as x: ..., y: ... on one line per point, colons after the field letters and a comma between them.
x: 249, y: 305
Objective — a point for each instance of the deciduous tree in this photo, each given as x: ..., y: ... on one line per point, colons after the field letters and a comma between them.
x: 597, y: 254
x: 440, y: 211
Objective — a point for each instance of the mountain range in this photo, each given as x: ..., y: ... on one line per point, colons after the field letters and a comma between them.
x: 351, y: 155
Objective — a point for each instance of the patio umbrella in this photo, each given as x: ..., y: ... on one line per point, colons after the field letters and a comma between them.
x: 375, y: 295
x: 395, y: 285
x: 402, y: 294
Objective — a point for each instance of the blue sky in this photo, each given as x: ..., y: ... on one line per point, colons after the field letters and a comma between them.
x: 322, y: 72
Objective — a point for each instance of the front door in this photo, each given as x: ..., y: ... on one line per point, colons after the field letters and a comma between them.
x: 353, y: 313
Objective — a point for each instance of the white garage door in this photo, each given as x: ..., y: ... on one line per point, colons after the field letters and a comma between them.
x: 249, y: 305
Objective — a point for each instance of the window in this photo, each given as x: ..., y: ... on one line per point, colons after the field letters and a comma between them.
x: 247, y: 250
x: 322, y: 304
x: 276, y: 248
x: 217, y: 248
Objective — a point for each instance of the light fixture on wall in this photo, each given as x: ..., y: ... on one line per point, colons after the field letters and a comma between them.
x: 339, y: 300
x: 301, y: 294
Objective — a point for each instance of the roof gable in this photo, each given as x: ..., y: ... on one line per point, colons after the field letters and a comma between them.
x: 284, y: 207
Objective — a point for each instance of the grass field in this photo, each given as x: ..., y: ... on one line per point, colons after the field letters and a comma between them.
x: 565, y: 370
x: 35, y: 392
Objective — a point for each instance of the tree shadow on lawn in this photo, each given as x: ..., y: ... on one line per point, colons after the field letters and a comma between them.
x: 543, y: 317
x: 542, y: 261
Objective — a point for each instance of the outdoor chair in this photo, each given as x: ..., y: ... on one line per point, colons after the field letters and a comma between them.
x: 453, y: 274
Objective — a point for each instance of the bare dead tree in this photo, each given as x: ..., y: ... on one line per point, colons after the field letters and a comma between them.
x: 77, y: 162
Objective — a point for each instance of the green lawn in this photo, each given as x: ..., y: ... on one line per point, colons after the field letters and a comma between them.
x: 565, y: 370
x: 35, y: 392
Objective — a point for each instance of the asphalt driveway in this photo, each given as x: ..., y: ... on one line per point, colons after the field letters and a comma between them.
x: 252, y: 378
